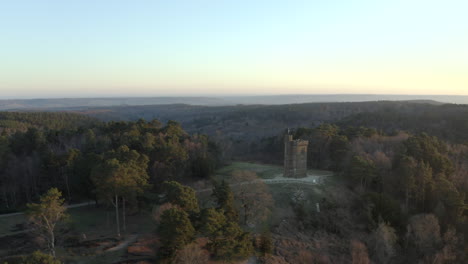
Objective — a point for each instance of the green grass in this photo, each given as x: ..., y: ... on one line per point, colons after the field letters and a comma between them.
x: 7, y: 224
x: 264, y: 171
x: 94, y: 223
x: 282, y: 193
x: 99, y: 222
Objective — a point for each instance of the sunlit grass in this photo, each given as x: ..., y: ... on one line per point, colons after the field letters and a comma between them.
x: 8, y: 224
x: 264, y: 171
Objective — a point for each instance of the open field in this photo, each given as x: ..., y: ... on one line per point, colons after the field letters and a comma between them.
x: 315, y: 187
x: 82, y: 220
x: 264, y: 171
x: 8, y: 225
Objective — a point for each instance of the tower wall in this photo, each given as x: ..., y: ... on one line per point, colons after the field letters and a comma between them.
x: 295, y: 157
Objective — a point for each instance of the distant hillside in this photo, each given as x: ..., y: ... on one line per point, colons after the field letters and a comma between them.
x: 63, y: 103
x: 66, y: 103
x: 11, y: 122
x: 248, y: 122
x: 254, y: 122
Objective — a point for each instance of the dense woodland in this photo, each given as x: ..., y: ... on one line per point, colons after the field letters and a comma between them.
x: 404, y: 165
x: 403, y: 181
x: 43, y: 150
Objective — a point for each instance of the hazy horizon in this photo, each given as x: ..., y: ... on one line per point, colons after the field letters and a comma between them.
x: 214, y: 95
x: 215, y: 100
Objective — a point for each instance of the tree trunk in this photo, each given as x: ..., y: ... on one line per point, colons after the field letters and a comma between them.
x: 123, y: 215
x: 245, y: 214
x: 52, y: 243
x: 5, y: 197
x: 117, y: 214
x: 407, y: 198
x: 64, y: 173
x: 68, y: 187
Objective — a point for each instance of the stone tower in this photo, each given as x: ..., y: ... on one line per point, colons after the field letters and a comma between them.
x: 295, y: 157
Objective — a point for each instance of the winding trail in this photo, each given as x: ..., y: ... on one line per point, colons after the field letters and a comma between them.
x: 68, y: 207
x: 131, y: 239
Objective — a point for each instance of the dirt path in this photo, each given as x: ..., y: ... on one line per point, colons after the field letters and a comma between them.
x: 16, y: 233
x: 131, y: 239
x: 68, y: 206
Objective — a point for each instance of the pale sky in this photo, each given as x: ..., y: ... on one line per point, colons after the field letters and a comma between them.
x: 81, y: 48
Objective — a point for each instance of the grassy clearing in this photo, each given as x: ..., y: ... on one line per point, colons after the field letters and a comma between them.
x: 281, y: 192
x: 8, y: 224
x: 97, y: 222
x: 100, y: 222
x: 263, y: 170
x: 92, y: 222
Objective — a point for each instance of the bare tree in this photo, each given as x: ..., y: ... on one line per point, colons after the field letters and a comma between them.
x: 423, y: 232
x: 45, y: 216
x: 383, y: 243
x: 252, y: 195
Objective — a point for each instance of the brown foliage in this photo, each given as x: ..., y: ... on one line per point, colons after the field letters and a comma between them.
x: 383, y: 243
x: 359, y: 253
x: 191, y: 254
x: 424, y: 232
x: 253, y: 196
x: 158, y: 211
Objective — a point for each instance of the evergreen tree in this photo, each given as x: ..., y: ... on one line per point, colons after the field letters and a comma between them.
x: 362, y: 170
x: 224, y: 198
x: 121, y: 174
x: 406, y: 174
x: 227, y: 241
x: 182, y: 196
x: 339, y: 146
x: 175, y: 230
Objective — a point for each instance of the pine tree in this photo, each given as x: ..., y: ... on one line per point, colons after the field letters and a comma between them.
x: 175, y: 230
x: 121, y: 174
x: 182, y: 196
x: 227, y: 240
x: 224, y: 198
